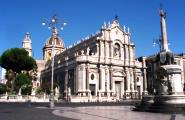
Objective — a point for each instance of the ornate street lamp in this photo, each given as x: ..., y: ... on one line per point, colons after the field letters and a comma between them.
x: 56, y: 25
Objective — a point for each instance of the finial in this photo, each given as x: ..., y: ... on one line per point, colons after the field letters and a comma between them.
x: 27, y: 34
x: 102, y: 27
x: 115, y: 22
x: 128, y: 30
x: 109, y: 24
x: 124, y: 28
x: 116, y: 17
x: 105, y: 24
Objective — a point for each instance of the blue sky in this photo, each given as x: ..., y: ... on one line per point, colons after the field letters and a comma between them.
x: 85, y: 17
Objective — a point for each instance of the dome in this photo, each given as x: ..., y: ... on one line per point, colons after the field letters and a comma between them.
x: 55, y: 41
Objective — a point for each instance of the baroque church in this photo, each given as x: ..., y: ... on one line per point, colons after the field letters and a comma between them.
x: 101, y: 67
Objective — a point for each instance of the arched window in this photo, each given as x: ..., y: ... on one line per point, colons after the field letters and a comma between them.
x: 117, y: 50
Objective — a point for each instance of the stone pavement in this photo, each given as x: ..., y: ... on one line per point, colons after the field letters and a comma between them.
x: 110, y: 113
x: 73, y: 111
x: 23, y: 111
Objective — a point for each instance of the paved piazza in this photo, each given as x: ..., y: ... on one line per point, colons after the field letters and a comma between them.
x: 110, y: 113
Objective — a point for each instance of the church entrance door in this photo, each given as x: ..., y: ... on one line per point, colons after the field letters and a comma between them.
x: 118, y: 89
x: 93, y: 89
x: 139, y: 92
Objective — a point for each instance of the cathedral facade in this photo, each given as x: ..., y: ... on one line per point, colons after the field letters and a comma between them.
x: 100, y: 67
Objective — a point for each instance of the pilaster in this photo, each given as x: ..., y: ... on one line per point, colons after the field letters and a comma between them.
x: 102, y: 49
x: 130, y: 55
x: 126, y: 55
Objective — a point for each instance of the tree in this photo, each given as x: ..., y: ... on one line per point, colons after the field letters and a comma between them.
x: 24, y: 82
x: 17, y: 60
x: 2, y: 88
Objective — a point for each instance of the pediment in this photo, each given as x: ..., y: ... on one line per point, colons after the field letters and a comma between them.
x: 114, y: 32
x: 119, y: 74
x: 117, y: 33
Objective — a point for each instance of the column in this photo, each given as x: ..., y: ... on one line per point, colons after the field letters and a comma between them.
x: 111, y: 49
x: 122, y: 88
x: 100, y: 78
x: 106, y: 50
x: 128, y: 84
x: 103, y: 79
x: 79, y: 70
x: 132, y: 83
x: 87, y: 79
x: 100, y: 83
x: 111, y: 79
x: 130, y: 55
x: 83, y: 79
x: 65, y: 83
x: 101, y: 49
x: 126, y: 55
x: 163, y: 31
x: 98, y: 52
x: 75, y: 80
x: 135, y: 83
x: 122, y: 53
x: 133, y: 51
x: 144, y: 77
x: 107, y: 81
x: 182, y: 71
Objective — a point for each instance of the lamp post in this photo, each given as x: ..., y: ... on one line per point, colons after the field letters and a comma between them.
x: 56, y: 25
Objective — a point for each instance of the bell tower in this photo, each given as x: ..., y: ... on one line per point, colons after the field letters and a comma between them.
x: 27, y: 44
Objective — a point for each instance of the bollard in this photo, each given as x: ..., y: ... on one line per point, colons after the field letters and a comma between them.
x: 172, y: 117
x: 29, y: 103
